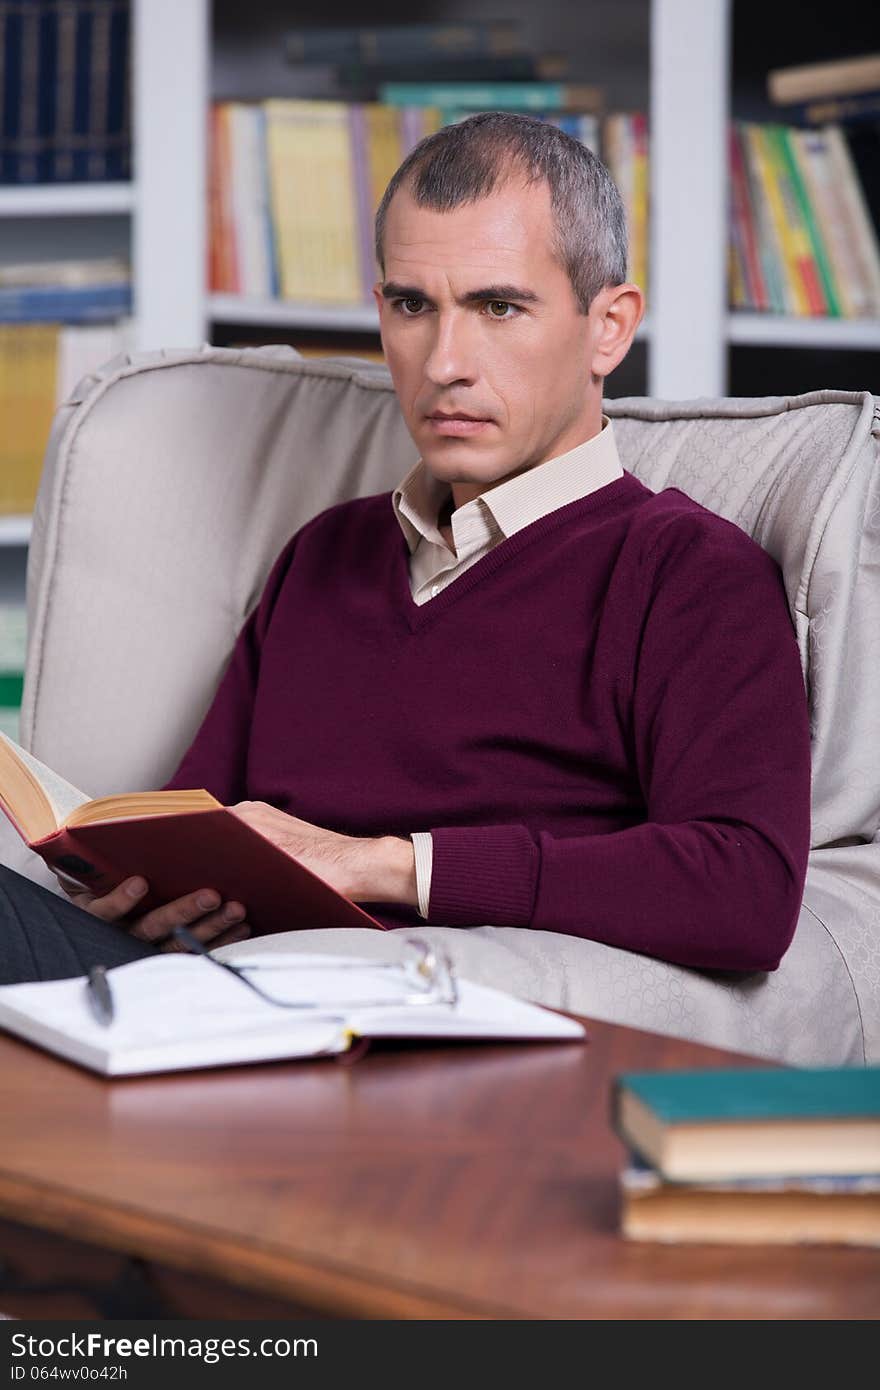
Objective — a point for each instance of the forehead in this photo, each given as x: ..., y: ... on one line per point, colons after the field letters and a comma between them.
x: 512, y: 228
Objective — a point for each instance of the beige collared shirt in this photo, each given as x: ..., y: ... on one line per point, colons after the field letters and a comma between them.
x: 478, y: 527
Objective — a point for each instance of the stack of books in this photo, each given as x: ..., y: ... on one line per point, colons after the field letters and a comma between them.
x: 751, y: 1156
x: 64, y: 74
x: 804, y: 224
x: 805, y: 195
x: 59, y: 321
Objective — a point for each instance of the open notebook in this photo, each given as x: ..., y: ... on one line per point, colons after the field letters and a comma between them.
x: 175, y: 1012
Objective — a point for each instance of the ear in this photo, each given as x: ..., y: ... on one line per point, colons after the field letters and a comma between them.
x: 616, y: 312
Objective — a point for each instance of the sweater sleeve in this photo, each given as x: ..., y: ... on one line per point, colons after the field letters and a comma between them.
x: 217, y: 757
x: 719, y: 736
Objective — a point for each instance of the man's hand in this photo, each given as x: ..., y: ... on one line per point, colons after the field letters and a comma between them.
x: 214, y: 924
x: 378, y: 870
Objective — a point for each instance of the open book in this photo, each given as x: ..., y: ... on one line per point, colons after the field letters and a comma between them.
x: 177, y: 840
x: 175, y: 1012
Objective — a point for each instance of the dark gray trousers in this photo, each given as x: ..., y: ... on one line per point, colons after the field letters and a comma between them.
x: 44, y: 937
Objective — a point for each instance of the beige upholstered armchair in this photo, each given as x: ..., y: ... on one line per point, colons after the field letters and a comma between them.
x: 173, y: 479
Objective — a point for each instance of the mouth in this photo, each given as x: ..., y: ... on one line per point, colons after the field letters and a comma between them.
x: 456, y: 423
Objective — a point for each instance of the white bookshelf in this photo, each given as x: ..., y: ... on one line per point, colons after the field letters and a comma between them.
x: 780, y: 330
x: 15, y: 530
x: 67, y: 200
x: 164, y: 210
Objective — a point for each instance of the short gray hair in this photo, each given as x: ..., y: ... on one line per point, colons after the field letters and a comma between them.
x: 464, y: 162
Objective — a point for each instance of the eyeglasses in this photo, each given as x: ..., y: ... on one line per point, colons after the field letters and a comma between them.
x: 427, y: 974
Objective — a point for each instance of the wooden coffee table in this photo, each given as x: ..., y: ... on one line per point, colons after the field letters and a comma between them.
x: 453, y: 1181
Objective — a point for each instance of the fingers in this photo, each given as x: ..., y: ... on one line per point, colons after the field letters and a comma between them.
x: 201, y: 912
x: 118, y: 904
x: 226, y: 938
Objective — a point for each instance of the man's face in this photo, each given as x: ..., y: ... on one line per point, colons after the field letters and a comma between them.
x: 479, y: 319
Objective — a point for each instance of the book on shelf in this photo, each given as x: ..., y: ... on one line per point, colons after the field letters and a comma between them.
x: 64, y: 70
x: 863, y: 140
x: 309, y: 148
x: 837, y: 110
x: 65, y: 304
x: 841, y: 1210
x: 367, y: 79
x: 729, y: 1123
x: 178, y: 841
x: 395, y: 42
x: 41, y: 364
x: 624, y: 148
x: 176, y: 1012
x: 838, y: 77
x: 526, y: 97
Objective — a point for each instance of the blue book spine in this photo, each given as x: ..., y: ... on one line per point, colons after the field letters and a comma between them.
x: 56, y: 304
x: 274, y: 287
x: 64, y: 78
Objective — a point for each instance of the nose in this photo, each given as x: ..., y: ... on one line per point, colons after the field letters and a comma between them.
x: 452, y: 359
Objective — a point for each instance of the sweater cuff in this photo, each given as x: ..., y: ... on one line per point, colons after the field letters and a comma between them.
x: 483, y: 874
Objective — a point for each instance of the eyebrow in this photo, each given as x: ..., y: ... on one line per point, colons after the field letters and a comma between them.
x: 509, y: 293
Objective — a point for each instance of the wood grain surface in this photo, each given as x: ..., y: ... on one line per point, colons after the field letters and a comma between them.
x: 446, y: 1181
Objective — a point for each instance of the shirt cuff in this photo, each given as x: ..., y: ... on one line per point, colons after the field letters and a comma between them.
x: 483, y: 874
x: 423, y: 846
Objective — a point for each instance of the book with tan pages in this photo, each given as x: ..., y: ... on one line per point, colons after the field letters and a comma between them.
x: 178, y: 841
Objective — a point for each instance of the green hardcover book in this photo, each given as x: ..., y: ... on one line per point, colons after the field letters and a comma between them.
x: 826, y: 274
x: 494, y: 96
x: 695, y: 1126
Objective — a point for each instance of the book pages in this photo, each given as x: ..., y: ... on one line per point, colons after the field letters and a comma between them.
x: 62, y: 796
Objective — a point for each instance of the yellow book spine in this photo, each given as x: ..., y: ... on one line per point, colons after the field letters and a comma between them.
x: 28, y: 371
x: 795, y: 293
x: 384, y: 147
x: 313, y: 200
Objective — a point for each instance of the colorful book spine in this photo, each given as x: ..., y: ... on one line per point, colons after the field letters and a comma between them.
x: 857, y: 216
x: 814, y: 161
x: 804, y: 269
x: 826, y: 292
x: 771, y: 250
x: 357, y: 122
x: 640, y: 180
x: 250, y: 213
x: 497, y: 96
x: 744, y: 233
x: 226, y: 274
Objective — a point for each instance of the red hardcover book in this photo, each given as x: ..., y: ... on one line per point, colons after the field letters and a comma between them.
x: 178, y: 841
x: 744, y: 216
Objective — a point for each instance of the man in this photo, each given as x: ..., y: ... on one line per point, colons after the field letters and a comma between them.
x: 524, y: 689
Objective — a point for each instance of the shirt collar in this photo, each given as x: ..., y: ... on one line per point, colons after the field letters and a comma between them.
x: 515, y: 503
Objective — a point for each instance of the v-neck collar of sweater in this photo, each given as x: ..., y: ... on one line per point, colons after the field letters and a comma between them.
x: 420, y: 615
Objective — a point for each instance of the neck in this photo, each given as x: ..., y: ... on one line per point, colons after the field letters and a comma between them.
x: 463, y: 492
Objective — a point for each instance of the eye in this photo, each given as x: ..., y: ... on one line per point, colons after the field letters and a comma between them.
x: 502, y: 304
x: 409, y: 307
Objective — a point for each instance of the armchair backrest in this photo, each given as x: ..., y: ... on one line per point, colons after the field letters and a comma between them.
x: 173, y: 479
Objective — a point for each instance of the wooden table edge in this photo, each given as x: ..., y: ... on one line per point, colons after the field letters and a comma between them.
x: 313, y: 1283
